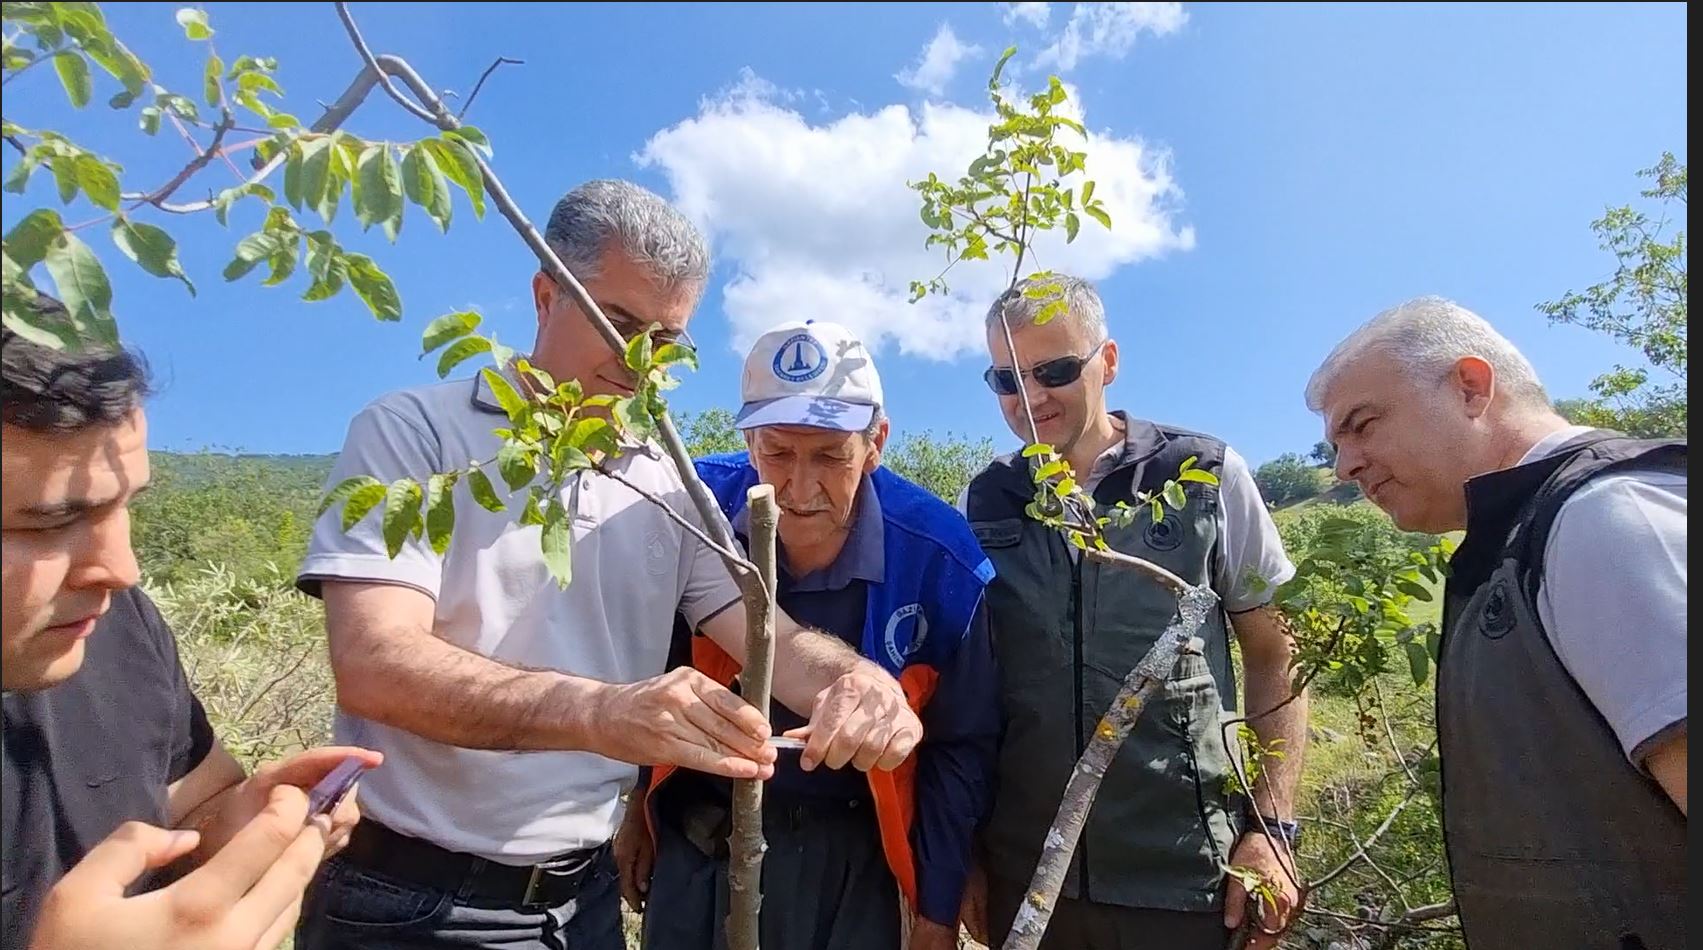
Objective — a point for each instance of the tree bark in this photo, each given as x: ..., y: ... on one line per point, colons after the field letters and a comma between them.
x: 1138, y: 688
x: 746, y: 846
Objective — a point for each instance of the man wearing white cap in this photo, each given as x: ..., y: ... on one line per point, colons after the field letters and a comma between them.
x: 891, y: 569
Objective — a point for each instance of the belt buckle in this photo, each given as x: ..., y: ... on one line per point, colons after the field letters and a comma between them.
x: 532, y: 885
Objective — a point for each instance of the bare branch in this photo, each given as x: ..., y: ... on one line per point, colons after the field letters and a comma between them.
x: 1361, y: 846
x: 1177, y: 585
x: 481, y: 83
x: 412, y: 107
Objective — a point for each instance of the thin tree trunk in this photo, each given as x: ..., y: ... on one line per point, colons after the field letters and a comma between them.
x: 745, y: 857
x: 1139, y: 686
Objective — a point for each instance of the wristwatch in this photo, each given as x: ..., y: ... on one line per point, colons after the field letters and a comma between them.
x: 1288, y: 831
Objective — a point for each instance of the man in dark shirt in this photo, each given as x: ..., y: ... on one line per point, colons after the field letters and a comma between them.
x: 104, y: 747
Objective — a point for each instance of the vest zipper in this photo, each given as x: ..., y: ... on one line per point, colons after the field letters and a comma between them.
x: 1082, y: 844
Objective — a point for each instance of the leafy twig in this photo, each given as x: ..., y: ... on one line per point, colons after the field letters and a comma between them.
x: 481, y: 83
x: 727, y: 554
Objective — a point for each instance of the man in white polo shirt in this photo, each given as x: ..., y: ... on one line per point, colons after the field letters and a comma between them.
x: 513, y: 714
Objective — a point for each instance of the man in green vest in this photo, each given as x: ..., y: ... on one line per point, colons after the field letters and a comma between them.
x: 1561, y: 683
x: 1150, y: 869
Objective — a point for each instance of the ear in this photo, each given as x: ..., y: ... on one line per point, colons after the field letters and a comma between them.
x: 1109, y: 353
x: 543, y: 295
x: 1475, y: 382
x: 879, y: 444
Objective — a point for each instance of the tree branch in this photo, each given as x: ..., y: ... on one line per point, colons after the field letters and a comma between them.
x: 481, y: 83
x: 367, y: 55
x: 727, y: 554
x: 1176, y: 584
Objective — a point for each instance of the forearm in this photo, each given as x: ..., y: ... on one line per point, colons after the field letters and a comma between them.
x: 1280, y: 725
x: 412, y: 680
x: 808, y: 661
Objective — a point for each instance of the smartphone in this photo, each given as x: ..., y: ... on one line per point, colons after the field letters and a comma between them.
x: 335, y: 786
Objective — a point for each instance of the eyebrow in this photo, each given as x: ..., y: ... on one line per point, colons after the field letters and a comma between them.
x: 74, y: 506
x: 1347, y: 422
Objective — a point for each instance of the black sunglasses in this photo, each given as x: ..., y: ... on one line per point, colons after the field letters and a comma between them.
x: 1052, y: 374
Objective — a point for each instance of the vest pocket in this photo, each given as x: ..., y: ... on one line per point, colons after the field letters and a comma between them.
x: 1197, y: 714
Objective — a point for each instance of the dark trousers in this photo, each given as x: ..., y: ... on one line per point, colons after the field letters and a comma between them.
x: 826, y: 885
x: 1080, y: 925
x: 354, y: 908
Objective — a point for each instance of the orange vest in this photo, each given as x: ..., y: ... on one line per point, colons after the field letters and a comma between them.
x: 894, y: 792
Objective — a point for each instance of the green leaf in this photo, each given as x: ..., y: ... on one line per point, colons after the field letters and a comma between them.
x: 222, y: 203
x: 116, y: 59
x: 1418, y: 661
x: 593, y: 435
x: 1038, y: 448
x: 210, y: 89
x: 1197, y: 475
x: 440, y: 511
x: 567, y: 457
x: 1087, y: 193
x: 557, y: 543
x: 194, y: 23
x: 251, y: 250
x: 530, y: 514
x: 379, y: 199
x: 401, y: 513
x: 1188, y: 463
x: 1414, y: 589
x: 460, y: 166
x: 999, y: 67
x: 1055, y: 467
x: 151, y: 248
x: 1066, y: 486
x: 461, y: 351
x: 283, y: 120
x: 450, y: 326
x: 73, y: 72
x: 283, y: 261
x: 83, y: 288
x: 670, y: 353
x: 1072, y: 224
x: 639, y: 352
x: 122, y: 100
x: 315, y: 175
x: 483, y: 492
x: 1052, y: 311
x: 344, y: 489
x: 512, y: 401
x: 1158, y: 510
x: 148, y: 119
x: 633, y: 415
x: 65, y: 176
x: 360, y: 501
x: 472, y: 136
x: 374, y: 287
x: 293, y: 177
x: 515, y: 463
x: 1433, y: 640
x: 1095, y: 212
x: 29, y: 239
x: 426, y: 186
x: 1174, y: 495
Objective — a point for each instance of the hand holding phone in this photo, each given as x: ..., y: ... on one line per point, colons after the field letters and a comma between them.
x: 335, y: 786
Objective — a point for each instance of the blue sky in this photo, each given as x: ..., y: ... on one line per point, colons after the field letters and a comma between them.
x: 1286, y: 172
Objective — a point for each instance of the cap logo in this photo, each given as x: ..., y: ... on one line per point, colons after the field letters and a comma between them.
x: 800, y: 359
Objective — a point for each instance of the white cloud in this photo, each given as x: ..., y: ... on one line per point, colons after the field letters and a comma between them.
x: 1108, y: 29
x: 816, y: 220
x: 1035, y: 14
x: 937, y: 62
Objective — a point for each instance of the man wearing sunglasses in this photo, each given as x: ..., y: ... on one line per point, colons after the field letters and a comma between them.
x: 1149, y: 869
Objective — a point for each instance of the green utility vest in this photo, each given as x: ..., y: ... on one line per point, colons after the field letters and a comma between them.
x: 1066, y: 632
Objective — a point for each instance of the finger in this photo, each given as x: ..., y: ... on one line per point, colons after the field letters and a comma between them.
x: 846, y: 743
x: 254, y: 850
x: 701, y: 759
x: 281, y: 927
x: 630, y: 884
x: 802, y: 732
x: 347, y: 815
x: 1235, y: 903
x: 305, y: 769
x: 899, y: 748
x: 827, y: 717
x: 283, y: 883
x: 873, y: 749
x: 728, y: 734
x: 124, y: 855
x: 729, y: 706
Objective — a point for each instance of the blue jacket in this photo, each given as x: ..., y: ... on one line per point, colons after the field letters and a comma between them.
x: 925, y: 623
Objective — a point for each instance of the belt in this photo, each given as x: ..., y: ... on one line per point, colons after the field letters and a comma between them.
x: 373, y: 846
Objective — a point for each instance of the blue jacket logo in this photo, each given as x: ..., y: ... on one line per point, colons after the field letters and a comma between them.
x: 898, y: 651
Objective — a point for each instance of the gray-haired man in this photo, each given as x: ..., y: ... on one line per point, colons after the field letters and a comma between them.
x: 513, y: 714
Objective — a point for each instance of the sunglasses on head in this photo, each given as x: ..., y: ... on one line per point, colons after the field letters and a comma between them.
x: 1052, y: 374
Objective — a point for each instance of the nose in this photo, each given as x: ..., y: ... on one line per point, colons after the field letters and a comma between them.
x: 106, y: 560
x: 1349, y: 464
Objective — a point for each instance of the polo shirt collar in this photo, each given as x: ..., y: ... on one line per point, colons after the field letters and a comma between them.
x: 862, y: 558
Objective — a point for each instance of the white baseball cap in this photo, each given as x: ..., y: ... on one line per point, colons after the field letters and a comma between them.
x: 809, y: 373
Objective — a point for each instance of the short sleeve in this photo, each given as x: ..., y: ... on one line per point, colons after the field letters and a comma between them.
x: 1613, y: 601
x: 709, y: 586
x: 192, y: 734
x: 386, y: 444
x: 1251, y: 562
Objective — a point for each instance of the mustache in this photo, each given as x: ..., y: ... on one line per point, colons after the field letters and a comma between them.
x: 814, y: 507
